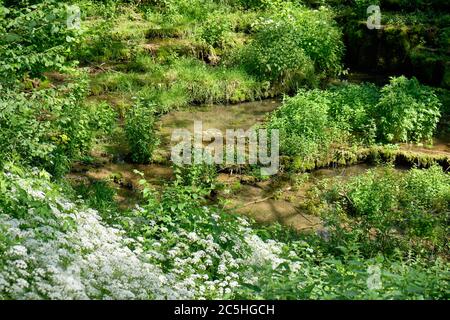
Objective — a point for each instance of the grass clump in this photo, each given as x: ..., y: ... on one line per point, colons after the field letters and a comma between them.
x: 181, y: 82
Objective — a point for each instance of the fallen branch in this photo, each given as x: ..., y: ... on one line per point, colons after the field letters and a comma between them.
x: 302, y: 214
x: 256, y: 201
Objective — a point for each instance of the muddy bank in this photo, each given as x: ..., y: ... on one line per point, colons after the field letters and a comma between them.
x: 283, y: 198
x: 122, y: 178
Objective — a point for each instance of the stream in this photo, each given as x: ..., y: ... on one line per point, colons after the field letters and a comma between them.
x: 278, y: 199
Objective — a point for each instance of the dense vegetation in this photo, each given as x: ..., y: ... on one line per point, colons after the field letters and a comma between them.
x: 315, y: 123
x: 66, y: 91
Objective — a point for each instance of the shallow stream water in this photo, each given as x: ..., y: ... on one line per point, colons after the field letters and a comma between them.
x: 269, y: 201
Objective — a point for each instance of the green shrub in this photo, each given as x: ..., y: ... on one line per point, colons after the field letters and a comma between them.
x: 360, y: 7
x: 407, y: 111
x: 139, y: 130
x: 256, y: 4
x: 315, y: 124
x: 178, y: 244
x: 215, y: 31
x: 47, y: 128
x: 34, y: 39
x: 427, y: 200
x: 292, y: 44
x: 197, y: 178
x: 330, y: 278
x: 305, y: 128
x: 274, y: 55
x: 352, y: 109
x: 104, y: 118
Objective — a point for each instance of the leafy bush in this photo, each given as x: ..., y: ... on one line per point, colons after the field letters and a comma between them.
x: 48, y: 128
x: 104, y: 118
x: 291, y: 44
x: 407, y: 111
x: 305, y: 128
x: 275, y: 265
x: 34, y: 39
x: 178, y: 244
x: 352, y: 109
x: 204, y: 84
x: 315, y: 123
x: 256, y: 4
x: 215, y: 31
x: 139, y: 130
x: 198, y: 178
x: 326, y: 277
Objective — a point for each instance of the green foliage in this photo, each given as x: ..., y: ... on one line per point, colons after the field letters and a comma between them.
x: 102, y: 45
x: 104, y: 118
x: 352, y: 109
x: 305, y: 128
x: 294, y: 43
x: 183, y: 12
x: 178, y: 244
x: 46, y: 127
x: 408, y: 111
x: 104, y: 8
x: 117, y: 38
x: 362, y: 5
x: 303, y: 267
x: 190, y: 245
x: 315, y: 123
x: 181, y: 82
x: 100, y: 196
x: 139, y: 130
x: 200, y: 179
x: 384, y: 211
x: 34, y: 39
x: 216, y: 30
x: 325, y: 277
x: 414, y: 4
x: 257, y: 4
